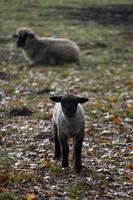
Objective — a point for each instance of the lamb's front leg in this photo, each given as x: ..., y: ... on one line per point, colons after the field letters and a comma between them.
x: 64, y: 150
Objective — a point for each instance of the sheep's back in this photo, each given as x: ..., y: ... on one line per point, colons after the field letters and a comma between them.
x: 62, y: 48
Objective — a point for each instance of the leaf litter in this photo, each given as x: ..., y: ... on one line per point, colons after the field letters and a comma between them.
x: 107, y: 151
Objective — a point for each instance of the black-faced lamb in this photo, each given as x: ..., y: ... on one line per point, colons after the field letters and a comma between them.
x: 47, y: 50
x: 68, y: 121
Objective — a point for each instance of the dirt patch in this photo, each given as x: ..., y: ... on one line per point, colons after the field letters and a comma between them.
x: 44, y: 91
x: 3, y: 76
x: 44, y: 135
x: 91, y: 45
x: 20, y: 112
x: 106, y: 14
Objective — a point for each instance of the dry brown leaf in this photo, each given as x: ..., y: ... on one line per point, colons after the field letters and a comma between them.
x: 2, y: 189
x: 94, y: 89
x: 49, y: 193
x: 131, y: 180
x: 4, y: 178
x: 116, y: 120
x: 116, y: 198
x: 130, y: 147
x: 89, y: 152
x: 129, y: 166
x: 46, y: 164
x: 47, y: 34
x: 31, y: 196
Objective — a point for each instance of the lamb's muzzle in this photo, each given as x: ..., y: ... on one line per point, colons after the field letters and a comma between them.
x: 68, y: 121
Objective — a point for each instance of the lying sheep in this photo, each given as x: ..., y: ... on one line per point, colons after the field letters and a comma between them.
x: 47, y: 50
x: 68, y: 121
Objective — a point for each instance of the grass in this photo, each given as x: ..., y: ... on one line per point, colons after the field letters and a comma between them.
x: 9, y: 196
x: 105, y: 78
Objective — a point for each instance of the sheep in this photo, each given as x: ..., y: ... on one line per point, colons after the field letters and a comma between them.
x: 47, y: 50
x: 68, y: 121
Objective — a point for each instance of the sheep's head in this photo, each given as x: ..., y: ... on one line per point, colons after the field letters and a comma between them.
x: 69, y: 103
x: 25, y: 37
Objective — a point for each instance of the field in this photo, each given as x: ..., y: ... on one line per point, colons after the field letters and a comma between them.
x: 104, y: 32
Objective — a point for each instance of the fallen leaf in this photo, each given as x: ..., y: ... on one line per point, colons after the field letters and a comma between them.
x: 116, y: 120
x: 131, y: 180
x: 124, y: 65
x: 130, y: 147
x: 2, y: 189
x: 129, y: 166
x: 116, y: 198
x: 47, y: 34
x: 49, y: 193
x: 46, y: 164
x: 89, y: 152
x: 5, y: 177
x: 31, y: 196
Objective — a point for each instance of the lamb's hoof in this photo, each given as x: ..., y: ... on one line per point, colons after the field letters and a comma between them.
x: 57, y: 157
x: 64, y: 165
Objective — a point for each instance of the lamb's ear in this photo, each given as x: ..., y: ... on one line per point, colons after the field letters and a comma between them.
x: 56, y: 98
x: 82, y: 100
x: 31, y: 35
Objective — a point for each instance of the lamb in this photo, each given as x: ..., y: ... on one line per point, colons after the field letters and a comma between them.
x: 47, y: 50
x: 68, y: 121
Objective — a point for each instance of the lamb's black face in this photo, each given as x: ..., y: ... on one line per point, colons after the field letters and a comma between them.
x: 69, y: 108
x: 21, y: 40
x: 69, y: 103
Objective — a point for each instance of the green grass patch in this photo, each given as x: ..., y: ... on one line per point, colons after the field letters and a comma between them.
x: 9, y: 196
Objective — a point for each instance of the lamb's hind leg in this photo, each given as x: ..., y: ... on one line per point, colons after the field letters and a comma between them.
x: 57, y: 152
x: 77, y: 151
